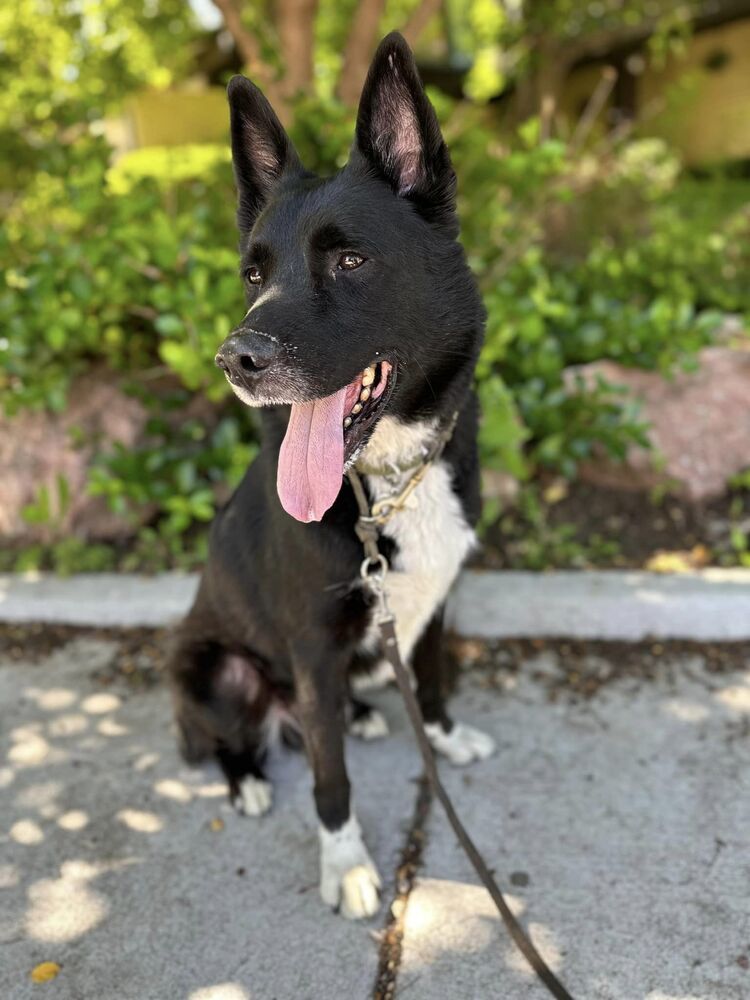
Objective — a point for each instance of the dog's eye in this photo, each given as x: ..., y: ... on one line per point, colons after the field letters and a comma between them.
x: 349, y: 261
x: 253, y: 275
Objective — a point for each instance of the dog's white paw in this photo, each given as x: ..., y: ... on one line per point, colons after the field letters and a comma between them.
x: 371, y: 726
x: 462, y: 745
x: 255, y: 796
x: 379, y: 677
x: 349, y: 879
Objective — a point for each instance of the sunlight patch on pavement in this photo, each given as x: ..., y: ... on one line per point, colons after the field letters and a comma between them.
x: 99, y: 704
x: 736, y: 698
x: 75, y: 819
x: 109, y: 727
x: 546, y: 944
x: 145, y: 761
x: 222, y: 991
x: 51, y: 699
x: 431, y: 926
x: 39, y: 795
x: 140, y: 821
x: 9, y: 877
x: 67, y: 725
x: 26, y: 832
x: 65, y: 908
x: 686, y: 711
x: 170, y: 788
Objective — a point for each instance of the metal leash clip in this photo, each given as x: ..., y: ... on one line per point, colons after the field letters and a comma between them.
x: 373, y: 572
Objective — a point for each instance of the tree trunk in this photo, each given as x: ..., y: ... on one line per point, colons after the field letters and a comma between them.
x: 359, y: 47
x: 249, y: 50
x: 419, y: 20
x: 295, y: 26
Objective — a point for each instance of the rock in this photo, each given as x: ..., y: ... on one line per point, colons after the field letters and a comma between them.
x: 699, y: 425
x: 500, y: 486
x: 38, y: 449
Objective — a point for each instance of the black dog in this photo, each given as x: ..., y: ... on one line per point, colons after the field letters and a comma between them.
x: 360, y: 341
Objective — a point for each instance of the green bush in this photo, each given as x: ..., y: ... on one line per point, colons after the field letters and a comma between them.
x: 580, y: 256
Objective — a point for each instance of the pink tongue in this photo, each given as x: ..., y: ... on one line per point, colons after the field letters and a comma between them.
x: 311, y: 460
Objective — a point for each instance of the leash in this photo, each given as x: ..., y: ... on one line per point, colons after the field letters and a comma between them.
x: 373, y: 571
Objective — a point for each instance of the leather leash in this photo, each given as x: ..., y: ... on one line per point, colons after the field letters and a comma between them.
x: 373, y: 572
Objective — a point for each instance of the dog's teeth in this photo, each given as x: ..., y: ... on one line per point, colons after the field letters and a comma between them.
x: 357, y: 408
x: 368, y: 376
x: 348, y: 422
x: 365, y: 395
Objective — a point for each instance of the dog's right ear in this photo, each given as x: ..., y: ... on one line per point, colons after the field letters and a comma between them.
x: 261, y: 149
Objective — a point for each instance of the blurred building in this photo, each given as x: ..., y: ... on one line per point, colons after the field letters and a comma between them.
x: 698, y: 101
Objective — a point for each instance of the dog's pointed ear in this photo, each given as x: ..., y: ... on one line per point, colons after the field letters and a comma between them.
x: 261, y: 149
x: 399, y: 135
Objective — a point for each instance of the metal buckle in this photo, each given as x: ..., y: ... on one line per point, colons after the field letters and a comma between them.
x: 373, y: 570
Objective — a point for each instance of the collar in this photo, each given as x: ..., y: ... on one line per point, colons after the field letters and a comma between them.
x: 372, y: 518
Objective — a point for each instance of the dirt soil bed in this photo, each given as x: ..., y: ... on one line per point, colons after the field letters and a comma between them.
x: 593, y: 526
x: 566, y: 668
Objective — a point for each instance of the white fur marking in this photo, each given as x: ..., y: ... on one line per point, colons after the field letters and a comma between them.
x: 462, y: 745
x: 255, y: 796
x: 379, y: 677
x: 372, y: 726
x: 348, y: 876
x: 266, y: 295
x: 431, y: 532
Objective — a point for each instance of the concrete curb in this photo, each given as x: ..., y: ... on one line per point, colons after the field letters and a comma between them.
x: 708, y: 605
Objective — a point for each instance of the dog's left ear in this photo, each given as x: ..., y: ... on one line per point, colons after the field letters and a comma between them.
x: 399, y: 135
x: 261, y: 149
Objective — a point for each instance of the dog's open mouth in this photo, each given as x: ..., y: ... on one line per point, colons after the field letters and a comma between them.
x: 366, y: 398
x: 322, y: 437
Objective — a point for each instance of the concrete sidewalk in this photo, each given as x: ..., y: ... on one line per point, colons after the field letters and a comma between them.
x: 706, y: 605
x: 618, y: 824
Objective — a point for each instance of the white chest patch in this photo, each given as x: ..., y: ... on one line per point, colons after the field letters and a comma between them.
x: 431, y: 533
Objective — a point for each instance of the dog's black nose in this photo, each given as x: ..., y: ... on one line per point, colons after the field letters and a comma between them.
x: 247, y: 353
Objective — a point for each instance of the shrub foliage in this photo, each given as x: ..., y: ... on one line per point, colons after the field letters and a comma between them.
x: 605, y: 252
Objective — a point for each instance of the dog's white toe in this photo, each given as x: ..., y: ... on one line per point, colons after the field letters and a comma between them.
x: 255, y: 796
x: 360, y: 892
x: 349, y: 879
x: 462, y: 745
x: 372, y: 726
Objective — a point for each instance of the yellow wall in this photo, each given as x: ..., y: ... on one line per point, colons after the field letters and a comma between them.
x: 174, y: 118
x: 704, y: 114
x: 713, y: 121
x: 707, y: 114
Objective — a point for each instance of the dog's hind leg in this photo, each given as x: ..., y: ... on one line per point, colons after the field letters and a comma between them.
x: 225, y: 710
x: 460, y: 743
x: 250, y: 792
x: 365, y: 722
x: 349, y: 880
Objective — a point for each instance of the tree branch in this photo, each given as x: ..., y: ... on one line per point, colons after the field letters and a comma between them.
x: 295, y: 26
x: 358, y: 50
x: 248, y: 48
x: 419, y: 19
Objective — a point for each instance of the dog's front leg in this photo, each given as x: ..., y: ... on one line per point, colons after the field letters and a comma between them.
x: 348, y: 877
x: 460, y: 743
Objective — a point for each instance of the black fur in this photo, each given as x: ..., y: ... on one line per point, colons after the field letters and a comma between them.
x: 277, y: 622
